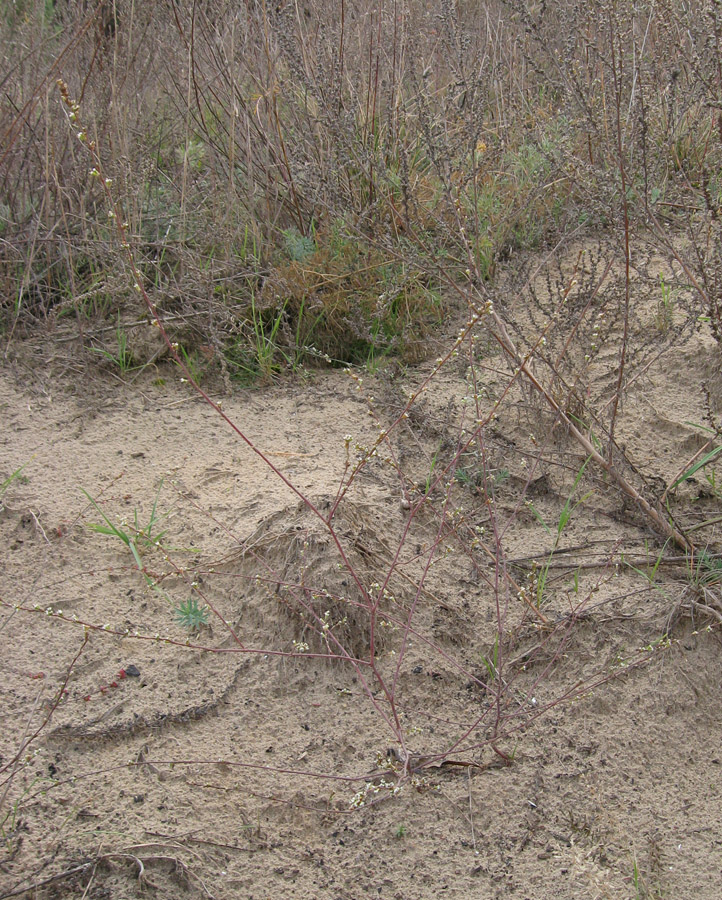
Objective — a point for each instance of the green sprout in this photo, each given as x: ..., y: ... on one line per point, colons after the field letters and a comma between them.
x: 190, y: 615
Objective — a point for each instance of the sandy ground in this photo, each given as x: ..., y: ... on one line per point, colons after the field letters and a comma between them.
x: 140, y: 759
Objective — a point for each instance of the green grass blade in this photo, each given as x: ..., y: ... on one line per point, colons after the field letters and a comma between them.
x: 700, y: 464
x: 112, y: 529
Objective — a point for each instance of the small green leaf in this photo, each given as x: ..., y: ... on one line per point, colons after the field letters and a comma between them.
x: 191, y: 615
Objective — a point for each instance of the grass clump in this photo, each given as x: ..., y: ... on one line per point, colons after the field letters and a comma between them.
x: 335, y: 301
x: 18, y: 476
x: 137, y: 538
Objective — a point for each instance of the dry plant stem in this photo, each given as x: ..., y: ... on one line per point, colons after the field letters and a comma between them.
x: 687, y: 465
x: 190, y: 646
x: 59, y: 696
x: 498, y: 550
x: 274, y: 87
x: 171, y: 642
x: 592, y: 297
x: 669, y: 246
x: 23, y: 745
x: 575, y: 691
x: 625, y: 207
x: 415, y: 601
x: 514, y: 722
x: 501, y: 609
x: 8, y: 138
x: 706, y: 608
x: 506, y: 343
x: 53, y: 879
x: 145, y: 763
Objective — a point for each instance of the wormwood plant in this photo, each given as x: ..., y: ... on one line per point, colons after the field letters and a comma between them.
x: 191, y: 615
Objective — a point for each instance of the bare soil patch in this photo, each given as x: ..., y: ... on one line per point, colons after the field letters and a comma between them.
x: 238, y: 760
